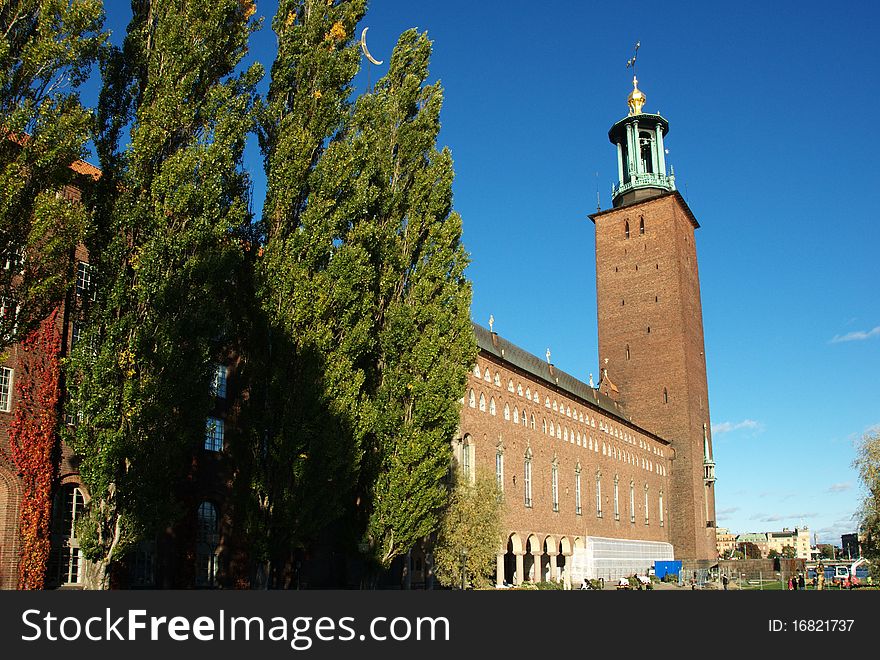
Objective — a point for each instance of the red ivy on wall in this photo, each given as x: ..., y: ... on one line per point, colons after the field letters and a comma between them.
x: 33, y: 443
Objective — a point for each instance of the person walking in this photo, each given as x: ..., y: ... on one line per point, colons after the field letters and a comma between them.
x: 802, y: 582
x: 724, y: 581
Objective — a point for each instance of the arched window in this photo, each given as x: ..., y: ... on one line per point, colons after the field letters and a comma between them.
x: 567, y: 411
x: 519, y: 389
x: 547, y: 402
x: 510, y: 386
x: 523, y: 418
x: 472, y: 399
x: 532, y: 421
x: 642, y: 226
x: 552, y: 429
x: 578, y: 438
x: 497, y: 379
x: 543, y: 425
x: 486, y: 376
x: 627, y: 351
x: 565, y: 435
x: 482, y: 403
x: 515, y: 415
x: 507, y: 413
x: 528, y: 393
x: 665, y: 396
x: 207, y: 540
x: 626, y: 228
x: 65, y: 561
x: 555, y: 409
x: 477, y: 371
x: 492, y: 406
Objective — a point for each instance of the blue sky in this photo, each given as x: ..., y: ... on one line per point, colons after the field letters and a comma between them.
x: 773, y: 146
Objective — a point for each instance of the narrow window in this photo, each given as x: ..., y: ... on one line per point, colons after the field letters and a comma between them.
x: 616, y: 500
x: 6, y: 389
x: 466, y: 449
x: 214, y: 432
x: 482, y: 403
x: 492, y: 406
x: 527, y: 479
x: 507, y: 413
x: 642, y: 226
x: 532, y: 421
x: 665, y: 395
x: 499, y: 469
x: 497, y: 380
x: 627, y: 351
x: 84, y: 280
x: 577, y: 490
x: 207, y: 540
x: 510, y: 386
x: 646, y: 504
x: 218, y: 381
x: 661, y: 508
x: 632, y: 502
x: 554, y: 486
x: 472, y: 399
x: 626, y: 228
x: 65, y: 560
x: 598, y: 494
x: 486, y: 376
x: 477, y: 371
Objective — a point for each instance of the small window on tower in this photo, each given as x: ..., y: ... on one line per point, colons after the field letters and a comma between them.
x: 665, y: 395
x: 626, y: 228
x: 627, y: 351
x: 642, y: 226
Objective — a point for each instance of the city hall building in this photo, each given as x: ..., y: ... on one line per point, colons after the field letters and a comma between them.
x: 619, y: 474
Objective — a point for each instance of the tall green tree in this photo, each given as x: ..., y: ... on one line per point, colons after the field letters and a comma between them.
x: 398, y: 264
x: 172, y: 227
x: 308, y: 453
x: 470, y: 533
x: 867, y: 464
x: 47, y: 49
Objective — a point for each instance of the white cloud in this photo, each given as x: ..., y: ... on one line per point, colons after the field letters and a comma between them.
x: 727, y: 427
x: 858, y: 335
x: 839, y: 488
x: 727, y: 512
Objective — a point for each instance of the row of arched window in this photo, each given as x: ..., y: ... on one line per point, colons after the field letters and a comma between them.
x: 558, y: 430
x: 467, y: 453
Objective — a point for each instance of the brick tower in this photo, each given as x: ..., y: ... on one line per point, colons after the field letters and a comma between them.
x: 651, y: 321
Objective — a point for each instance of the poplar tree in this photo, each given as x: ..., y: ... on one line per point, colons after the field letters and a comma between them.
x: 171, y: 231
x: 867, y: 464
x: 395, y: 279
x: 47, y: 49
x: 308, y: 454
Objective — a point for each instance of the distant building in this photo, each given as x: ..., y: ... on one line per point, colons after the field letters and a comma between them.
x: 725, y: 542
x: 850, y: 546
x: 758, y: 538
x: 799, y: 539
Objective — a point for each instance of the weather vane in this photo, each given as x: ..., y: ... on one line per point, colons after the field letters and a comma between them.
x: 631, y: 62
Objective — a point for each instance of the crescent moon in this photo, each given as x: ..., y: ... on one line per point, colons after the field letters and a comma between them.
x: 364, y: 48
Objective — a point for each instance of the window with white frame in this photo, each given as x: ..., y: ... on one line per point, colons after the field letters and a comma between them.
x: 510, y: 386
x: 66, y: 559
x: 482, y: 403
x: 84, y: 284
x: 492, y: 406
x: 218, y: 381
x: 487, y: 376
x: 214, y: 432
x: 554, y: 485
x: 472, y: 399
x: 506, y: 412
x: 6, y: 389
x: 207, y: 542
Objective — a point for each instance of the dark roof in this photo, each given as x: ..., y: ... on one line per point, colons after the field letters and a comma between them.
x: 505, y: 351
x: 675, y: 193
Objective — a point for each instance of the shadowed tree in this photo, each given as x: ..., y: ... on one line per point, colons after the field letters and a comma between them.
x: 867, y: 463
x: 171, y: 228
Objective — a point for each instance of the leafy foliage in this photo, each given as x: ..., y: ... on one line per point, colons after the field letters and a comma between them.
x: 867, y: 463
x: 172, y: 228
x: 47, y: 48
x: 308, y: 455
x: 470, y: 533
x: 33, y: 442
